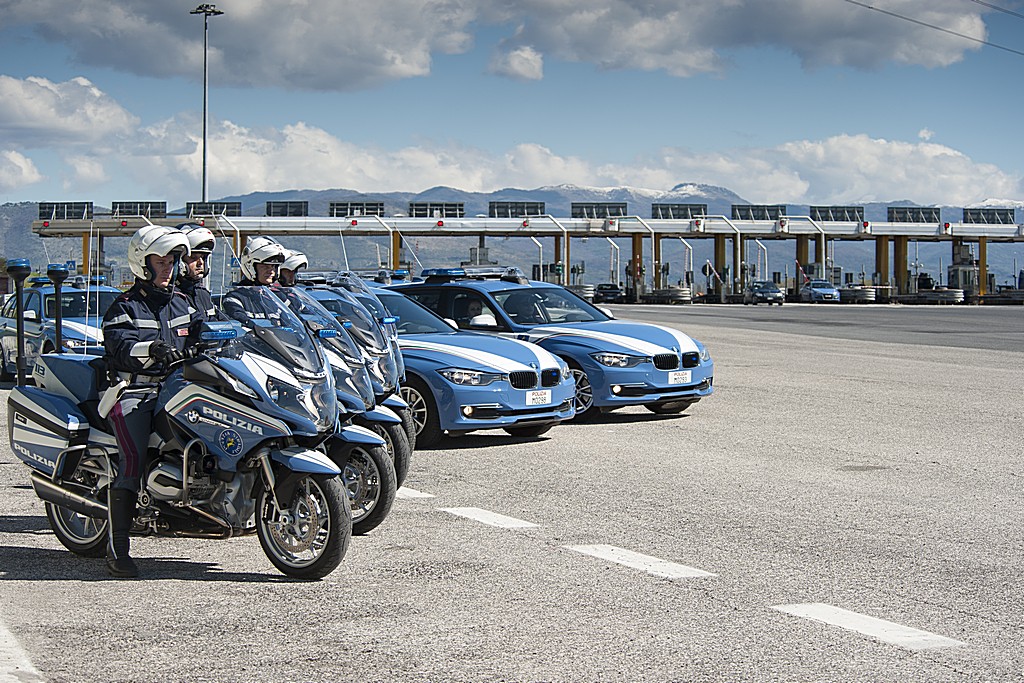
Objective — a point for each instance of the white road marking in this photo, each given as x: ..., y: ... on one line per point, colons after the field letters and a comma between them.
x: 488, y: 517
x: 406, y: 492
x: 15, y: 666
x: 646, y: 563
x: 886, y: 631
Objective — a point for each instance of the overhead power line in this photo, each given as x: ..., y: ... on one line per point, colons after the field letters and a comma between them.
x: 999, y: 9
x: 933, y: 26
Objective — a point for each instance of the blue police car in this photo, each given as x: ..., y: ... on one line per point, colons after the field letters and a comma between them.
x: 458, y: 382
x: 615, y: 363
x: 82, y: 309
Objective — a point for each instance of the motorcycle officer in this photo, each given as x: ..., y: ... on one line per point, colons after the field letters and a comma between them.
x: 196, y: 267
x: 145, y: 331
x: 293, y: 261
x: 259, y: 262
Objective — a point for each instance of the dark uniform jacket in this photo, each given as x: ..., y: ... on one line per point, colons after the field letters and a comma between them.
x: 141, y: 316
x: 199, y: 296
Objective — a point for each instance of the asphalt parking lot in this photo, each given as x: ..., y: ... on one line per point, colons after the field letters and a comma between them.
x: 846, y: 507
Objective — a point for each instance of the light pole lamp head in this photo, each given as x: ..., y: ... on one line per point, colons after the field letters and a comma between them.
x: 207, y: 9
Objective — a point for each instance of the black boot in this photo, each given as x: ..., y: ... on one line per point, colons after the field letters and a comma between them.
x: 122, y: 512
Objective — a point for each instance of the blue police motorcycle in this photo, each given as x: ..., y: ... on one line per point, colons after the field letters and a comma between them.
x: 359, y: 447
x: 234, y: 449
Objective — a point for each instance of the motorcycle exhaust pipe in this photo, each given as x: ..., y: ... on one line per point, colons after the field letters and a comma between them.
x: 50, y: 492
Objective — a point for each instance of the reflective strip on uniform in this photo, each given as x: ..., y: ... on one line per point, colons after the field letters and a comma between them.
x: 147, y: 324
x: 182, y: 319
x: 140, y: 349
x: 123, y: 318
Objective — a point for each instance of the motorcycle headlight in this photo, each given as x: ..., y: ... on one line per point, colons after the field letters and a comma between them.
x: 470, y: 377
x: 617, y: 360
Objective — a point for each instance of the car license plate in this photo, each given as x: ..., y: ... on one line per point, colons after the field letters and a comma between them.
x: 679, y: 377
x: 540, y: 397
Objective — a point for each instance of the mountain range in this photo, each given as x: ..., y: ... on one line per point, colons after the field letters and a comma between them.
x: 17, y: 240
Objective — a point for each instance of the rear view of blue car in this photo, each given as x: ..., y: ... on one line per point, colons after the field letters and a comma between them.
x: 458, y: 382
x: 82, y: 310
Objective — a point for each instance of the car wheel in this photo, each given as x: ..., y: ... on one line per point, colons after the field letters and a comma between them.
x: 527, y: 432
x: 585, y: 409
x: 424, y: 412
x: 673, y: 408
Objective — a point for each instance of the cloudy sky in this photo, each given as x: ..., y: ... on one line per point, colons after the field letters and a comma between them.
x: 781, y: 101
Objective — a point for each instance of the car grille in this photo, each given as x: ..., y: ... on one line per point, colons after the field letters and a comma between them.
x: 550, y: 378
x: 691, y: 360
x: 666, y: 361
x: 523, y: 379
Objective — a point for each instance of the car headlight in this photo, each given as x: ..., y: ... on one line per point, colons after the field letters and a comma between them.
x: 618, y: 360
x: 705, y: 355
x: 566, y: 372
x: 470, y: 377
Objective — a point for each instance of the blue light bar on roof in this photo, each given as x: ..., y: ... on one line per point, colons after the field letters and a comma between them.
x: 441, y: 272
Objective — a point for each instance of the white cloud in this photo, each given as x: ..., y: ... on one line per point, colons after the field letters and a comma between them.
x: 36, y: 112
x: 85, y: 173
x: 523, y: 64
x: 16, y: 171
x: 345, y: 45
x: 925, y: 134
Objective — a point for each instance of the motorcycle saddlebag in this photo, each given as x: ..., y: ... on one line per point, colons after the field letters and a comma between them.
x: 41, y: 425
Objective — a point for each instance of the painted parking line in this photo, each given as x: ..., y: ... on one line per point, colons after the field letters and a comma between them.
x: 488, y: 517
x: 406, y: 492
x: 15, y: 666
x: 646, y: 563
x: 886, y: 631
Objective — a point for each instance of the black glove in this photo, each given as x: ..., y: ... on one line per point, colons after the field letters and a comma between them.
x: 165, y: 354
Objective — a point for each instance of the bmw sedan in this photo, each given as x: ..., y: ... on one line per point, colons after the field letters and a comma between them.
x: 458, y: 382
x: 615, y: 363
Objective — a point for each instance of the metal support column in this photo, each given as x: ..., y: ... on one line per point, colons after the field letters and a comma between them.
x: 657, y: 262
x: 882, y: 261
x: 720, y: 258
x: 982, y: 266
x: 636, y: 265
x: 802, y: 249
x: 396, y: 250
x: 900, y: 263
x: 819, y: 254
x: 558, y: 255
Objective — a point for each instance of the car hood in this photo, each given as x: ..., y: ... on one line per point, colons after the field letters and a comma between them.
x: 476, y: 352
x: 79, y: 328
x: 619, y: 336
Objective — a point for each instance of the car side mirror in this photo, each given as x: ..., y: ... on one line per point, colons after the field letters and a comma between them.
x: 483, y: 320
x: 31, y: 314
x: 451, y: 323
x: 607, y: 312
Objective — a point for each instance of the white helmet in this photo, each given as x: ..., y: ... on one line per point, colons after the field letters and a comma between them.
x: 260, y: 249
x: 293, y: 260
x: 200, y: 239
x: 154, y: 240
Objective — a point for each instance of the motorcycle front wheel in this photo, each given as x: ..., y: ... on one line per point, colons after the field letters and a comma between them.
x: 368, y: 475
x: 308, y: 537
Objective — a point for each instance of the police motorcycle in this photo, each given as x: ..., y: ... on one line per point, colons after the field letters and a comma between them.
x: 358, y: 448
x: 233, y: 450
x: 384, y: 362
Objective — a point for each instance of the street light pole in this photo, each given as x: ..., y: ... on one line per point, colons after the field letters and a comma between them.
x: 207, y: 11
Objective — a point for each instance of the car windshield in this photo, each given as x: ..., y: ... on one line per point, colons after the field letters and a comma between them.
x: 73, y: 303
x: 820, y: 284
x: 414, y: 318
x: 544, y: 305
x: 273, y: 330
x: 766, y: 287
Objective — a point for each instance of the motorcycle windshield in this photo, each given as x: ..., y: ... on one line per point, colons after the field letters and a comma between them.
x: 316, y: 317
x: 365, y: 328
x: 273, y: 330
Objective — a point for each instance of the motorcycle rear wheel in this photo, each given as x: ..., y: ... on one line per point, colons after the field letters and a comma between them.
x: 309, y: 538
x: 83, y: 535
